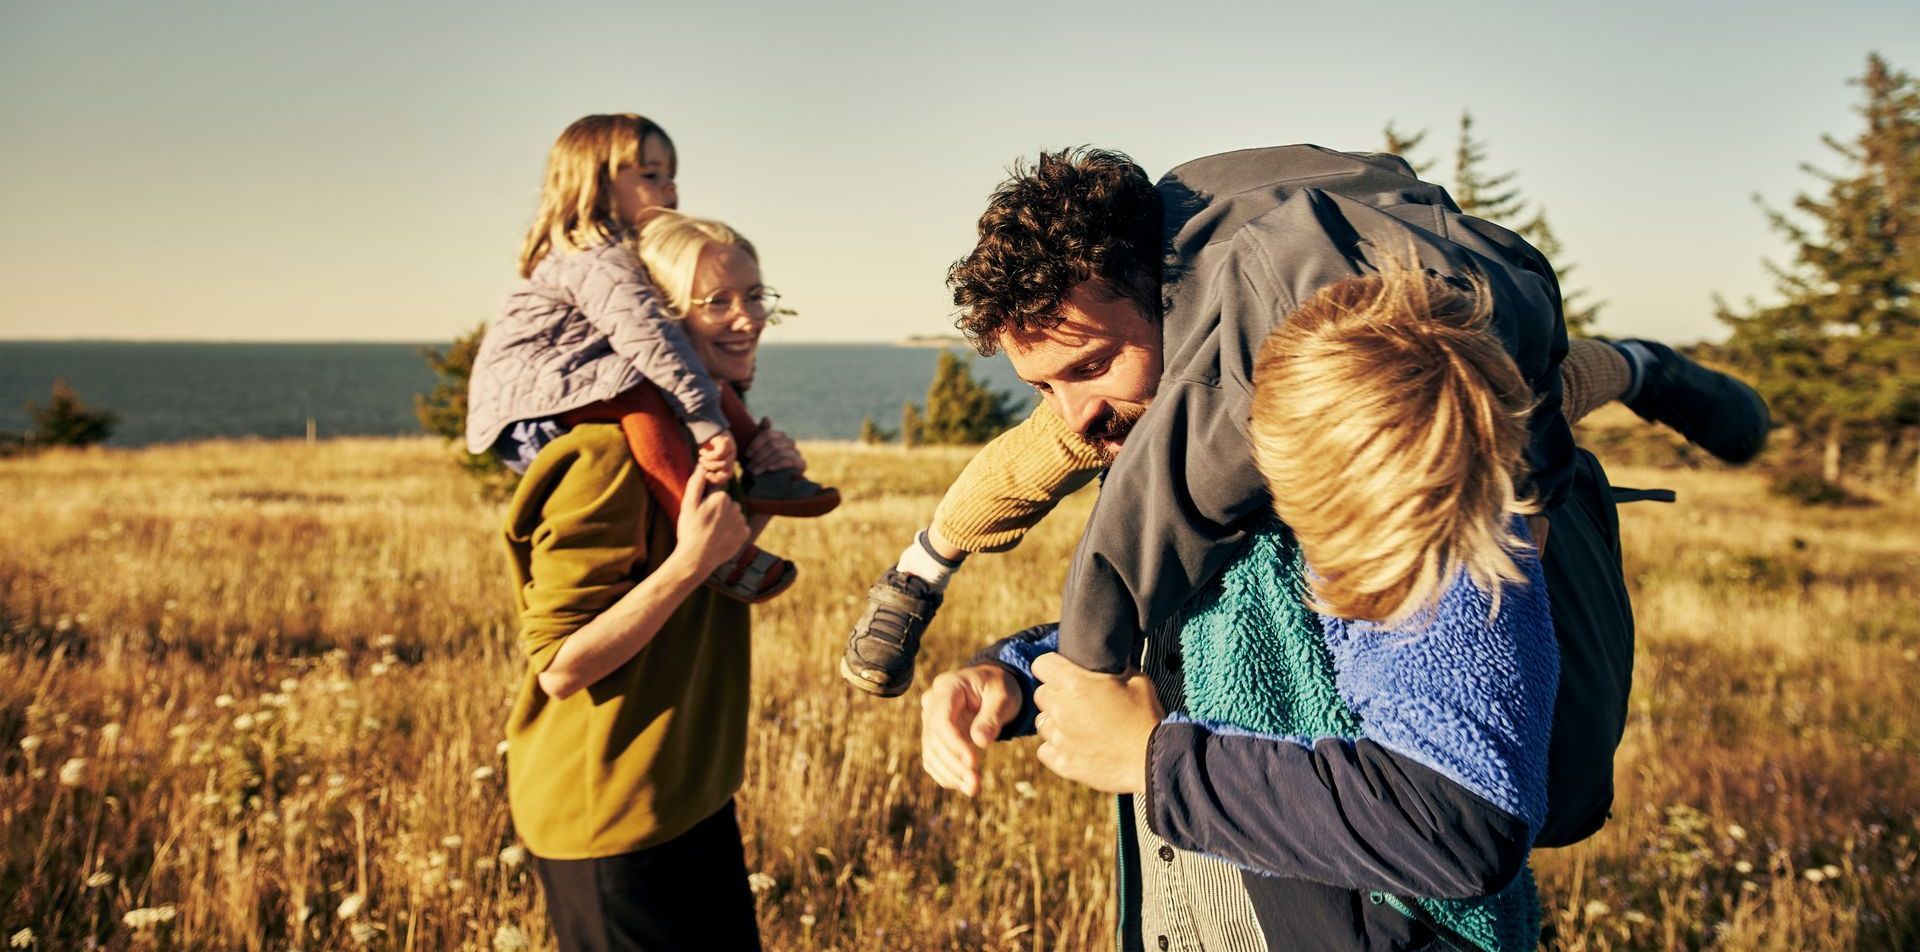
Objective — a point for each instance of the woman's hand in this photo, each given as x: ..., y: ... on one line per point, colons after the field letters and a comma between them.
x: 773, y: 449
x: 711, y: 529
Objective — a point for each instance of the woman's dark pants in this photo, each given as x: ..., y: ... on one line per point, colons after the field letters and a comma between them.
x: 687, y: 893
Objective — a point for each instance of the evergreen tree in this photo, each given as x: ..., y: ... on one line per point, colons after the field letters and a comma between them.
x: 871, y: 433
x: 1494, y: 197
x: 910, y: 424
x: 443, y: 412
x: 961, y: 408
x: 66, y: 421
x: 1838, y: 357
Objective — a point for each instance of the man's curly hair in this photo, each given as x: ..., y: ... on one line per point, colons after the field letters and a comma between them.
x: 1070, y: 216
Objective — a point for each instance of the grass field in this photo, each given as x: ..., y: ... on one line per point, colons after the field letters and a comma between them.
x: 253, y: 694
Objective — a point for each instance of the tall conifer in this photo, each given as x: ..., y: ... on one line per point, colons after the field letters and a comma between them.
x: 1493, y: 196
x: 1838, y: 357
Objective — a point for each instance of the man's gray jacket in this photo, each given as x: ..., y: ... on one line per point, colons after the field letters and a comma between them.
x: 1251, y: 236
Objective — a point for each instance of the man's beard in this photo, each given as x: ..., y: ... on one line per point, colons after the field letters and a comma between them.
x: 1110, y: 429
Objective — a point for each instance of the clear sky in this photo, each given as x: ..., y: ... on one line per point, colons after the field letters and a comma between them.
x: 331, y: 171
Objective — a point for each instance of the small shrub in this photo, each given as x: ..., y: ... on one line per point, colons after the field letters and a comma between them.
x: 66, y: 421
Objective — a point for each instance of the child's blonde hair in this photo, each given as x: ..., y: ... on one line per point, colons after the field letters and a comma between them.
x: 1389, y: 424
x: 576, y: 204
x: 669, y: 245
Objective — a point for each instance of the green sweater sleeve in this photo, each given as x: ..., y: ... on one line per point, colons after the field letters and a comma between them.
x: 577, y: 531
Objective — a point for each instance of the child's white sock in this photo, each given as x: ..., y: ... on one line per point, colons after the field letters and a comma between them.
x: 920, y: 560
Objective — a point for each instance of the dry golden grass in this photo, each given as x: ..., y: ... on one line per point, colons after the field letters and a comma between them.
x: 254, y: 692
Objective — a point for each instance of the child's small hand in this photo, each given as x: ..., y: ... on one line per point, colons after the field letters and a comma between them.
x: 716, y: 459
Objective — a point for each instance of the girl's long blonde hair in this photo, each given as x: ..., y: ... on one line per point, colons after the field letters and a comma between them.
x: 1389, y: 424
x: 669, y: 245
x: 576, y: 205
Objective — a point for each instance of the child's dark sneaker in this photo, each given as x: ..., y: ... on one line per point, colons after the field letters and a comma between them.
x: 784, y: 492
x: 880, y: 653
x: 1712, y: 410
x: 753, y: 576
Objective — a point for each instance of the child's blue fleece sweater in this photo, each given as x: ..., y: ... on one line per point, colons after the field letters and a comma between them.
x: 1400, y: 763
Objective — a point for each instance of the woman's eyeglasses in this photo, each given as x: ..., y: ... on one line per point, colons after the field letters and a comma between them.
x: 760, y: 304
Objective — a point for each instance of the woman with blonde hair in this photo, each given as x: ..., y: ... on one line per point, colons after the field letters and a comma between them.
x: 627, y: 736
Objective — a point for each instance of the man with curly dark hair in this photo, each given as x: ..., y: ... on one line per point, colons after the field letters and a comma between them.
x: 1232, y: 838
x: 1069, y: 217
x: 1069, y: 250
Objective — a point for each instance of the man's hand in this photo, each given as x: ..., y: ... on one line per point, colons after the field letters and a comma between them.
x: 1094, y: 727
x: 960, y: 714
x: 772, y: 449
x: 716, y: 459
x: 711, y: 528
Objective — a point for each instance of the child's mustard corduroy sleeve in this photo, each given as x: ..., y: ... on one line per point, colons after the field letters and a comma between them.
x: 1014, y: 481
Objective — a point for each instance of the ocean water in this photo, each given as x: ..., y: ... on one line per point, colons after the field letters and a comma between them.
x: 170, y: 392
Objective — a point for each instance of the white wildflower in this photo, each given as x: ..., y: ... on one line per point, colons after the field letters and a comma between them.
x: 351, y: 906
x: 379, y: 668
x: 510, y: 939
x: 289, y: 685
x: 31, y: 743
x: 1831, y: 871
x: 178, y: 731
x: 111, y: 732
x: 456, y: 885
x: 1737, y: 831
x: 243, y: 723
x: 483, y: 773
x: 1743, y: 867
x: 274, y: 699
x: 224, y: 700
x: 1596, y: 909
x: 1814, y: 876
x: 99, y: 879
x: 1025, y: 789
x: 513, y: 856
x: 807, y: 920
x: 436, y: 859
x: 362, y: 933
x: 451, y: 841
x: 22, y: 939
x: 210, y: 800
x: 73, y: 772
x: 500, y: 748
x: 137, y: 919
x: 385, y: 641
x: 760, y: 883
x: 1635, y: 916
x: 336, y: 780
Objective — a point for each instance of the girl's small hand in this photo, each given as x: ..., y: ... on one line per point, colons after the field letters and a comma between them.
x: 773, y: 449
x: 716, y: 459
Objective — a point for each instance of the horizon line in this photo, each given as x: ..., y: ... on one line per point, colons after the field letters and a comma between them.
x: 361, y: 340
